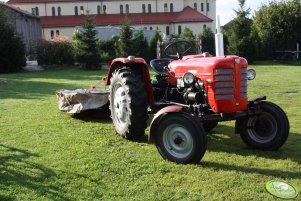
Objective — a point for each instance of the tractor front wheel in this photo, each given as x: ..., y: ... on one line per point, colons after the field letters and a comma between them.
x: 128, y: 103
x: 180, y: 138
x: 268, y: 130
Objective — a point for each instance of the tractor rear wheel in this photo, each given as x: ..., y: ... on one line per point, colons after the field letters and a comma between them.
x: 128, y: 103
x: 180, y: 138
x: 268, y: 130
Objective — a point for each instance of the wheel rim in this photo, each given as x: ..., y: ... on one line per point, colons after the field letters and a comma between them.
x: 120, y: 105
x: 262, y: 128
x: 178, y: 141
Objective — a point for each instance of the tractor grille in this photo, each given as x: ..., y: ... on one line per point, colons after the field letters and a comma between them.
x: 243, y: 82
x: 224, y: 83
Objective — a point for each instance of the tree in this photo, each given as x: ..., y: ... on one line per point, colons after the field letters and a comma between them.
x: 208, y: 41
x: 86, y: 50
x: 12, y: 48
x: 278, y: 25
x: 187, y: 34
x: 140, y: 45
x: 239, y: 34
x: 153, y: 45
x: 125, y: 43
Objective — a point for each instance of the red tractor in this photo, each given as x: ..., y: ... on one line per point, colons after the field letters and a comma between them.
x: 190, y: 95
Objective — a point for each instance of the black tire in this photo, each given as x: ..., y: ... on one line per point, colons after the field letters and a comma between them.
x: 129, y: 111
x: 180, y: 138
x: 208, y: 126
x: 266, y: 131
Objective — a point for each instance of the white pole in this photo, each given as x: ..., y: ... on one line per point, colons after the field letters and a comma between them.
x: 219, y: 40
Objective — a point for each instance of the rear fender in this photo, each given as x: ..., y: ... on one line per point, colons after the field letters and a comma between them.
x: 158, y: 116
x: 140, y: 64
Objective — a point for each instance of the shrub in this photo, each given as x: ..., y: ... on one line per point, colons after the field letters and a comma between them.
x: 55, y: 52
x: 12, y: 48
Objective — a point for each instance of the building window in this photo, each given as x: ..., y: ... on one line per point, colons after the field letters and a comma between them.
x: 208, y: 7
x: 127, y: 9
x: 51, y: 34
x: 121, y: 9
x: 150, y: 28
x: 57, y: 33
x: 98, y: 10
x: 143, y: 8
x: 104, y: 8
x: 171, y: 7
x: 204, y: 26
x: 75, y: 10
x: 202, y: 7
x: 165, y: 7
x: 195, y: 5
x: 37, y: 11
x: 53, y: 11
x: 149, y: 8
x: 59, y: 11
x: 167, y: 30
x: 82, y: 10
x: 179, y: 29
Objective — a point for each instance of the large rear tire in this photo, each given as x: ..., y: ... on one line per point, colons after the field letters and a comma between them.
x: 180, y: 138
x: 128, y: 103
x: 268, y: 130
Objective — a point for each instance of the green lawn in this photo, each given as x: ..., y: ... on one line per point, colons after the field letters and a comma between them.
x: 49, y: 155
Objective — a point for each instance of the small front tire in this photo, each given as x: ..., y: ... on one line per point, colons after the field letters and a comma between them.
x: 268, y: 130
x: 180, y: 138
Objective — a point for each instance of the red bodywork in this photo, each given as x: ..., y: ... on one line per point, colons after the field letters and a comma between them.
x: 224, y: 79
x: 140, y: 64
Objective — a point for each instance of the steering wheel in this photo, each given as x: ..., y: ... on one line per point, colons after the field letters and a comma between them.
x: 179, y: 47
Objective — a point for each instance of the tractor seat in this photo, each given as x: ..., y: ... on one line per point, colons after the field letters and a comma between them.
x: 159, y: 65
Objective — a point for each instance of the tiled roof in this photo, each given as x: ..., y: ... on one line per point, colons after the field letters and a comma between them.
x: 187, y: 15
x: 23, y: 12
x: 50, y: 1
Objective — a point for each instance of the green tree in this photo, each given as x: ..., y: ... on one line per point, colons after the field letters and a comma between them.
x: 239, y: 34
x: 208, y: 41
x: 85, y: 42
x: 125, y: 43
x: 12, y: 48
x: 187, y: 34
x: 140, y: 45
x: 153, y: 45
x: 278, y: 25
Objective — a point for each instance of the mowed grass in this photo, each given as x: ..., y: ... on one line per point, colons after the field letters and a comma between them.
x: 49, y: 155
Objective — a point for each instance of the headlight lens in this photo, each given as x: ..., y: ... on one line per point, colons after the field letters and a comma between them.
x: 188, y: 78
x: 251, y: 74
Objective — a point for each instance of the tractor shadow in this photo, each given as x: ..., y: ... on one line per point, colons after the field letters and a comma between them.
x: 224, y: 139
x: 18, y: 171
x: 102, y: 115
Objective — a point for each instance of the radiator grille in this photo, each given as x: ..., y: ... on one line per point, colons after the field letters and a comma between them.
x: 243, y: 82
x: 224, y: 83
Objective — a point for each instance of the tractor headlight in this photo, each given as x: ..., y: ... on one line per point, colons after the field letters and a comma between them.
x: 251, y: 74
x: 188, y: 78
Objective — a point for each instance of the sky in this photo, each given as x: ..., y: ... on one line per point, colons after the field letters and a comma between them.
x: 224, y: 8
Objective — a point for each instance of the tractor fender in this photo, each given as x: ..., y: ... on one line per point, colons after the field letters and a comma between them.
x: 138, y: 63
x: 158, y: 116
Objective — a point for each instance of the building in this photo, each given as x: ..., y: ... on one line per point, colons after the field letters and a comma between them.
x: 60, y: 17
x: 25, y: 23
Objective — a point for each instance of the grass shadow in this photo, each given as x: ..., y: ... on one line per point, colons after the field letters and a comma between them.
x: 232, y: 143
x: 17, y: 170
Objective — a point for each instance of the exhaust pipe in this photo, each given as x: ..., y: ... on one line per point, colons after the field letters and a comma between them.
x: 219, y: 40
